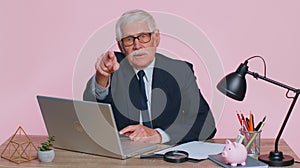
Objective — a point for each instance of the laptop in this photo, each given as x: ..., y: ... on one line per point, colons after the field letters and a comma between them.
x: 87, y: 127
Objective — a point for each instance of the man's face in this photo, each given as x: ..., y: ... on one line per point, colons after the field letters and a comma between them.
x: 141, y: 53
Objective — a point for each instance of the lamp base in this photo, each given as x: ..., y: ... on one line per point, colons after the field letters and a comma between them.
x: 277, y: 159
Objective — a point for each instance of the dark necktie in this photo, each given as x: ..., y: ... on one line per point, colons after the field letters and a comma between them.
x: 143, y: 103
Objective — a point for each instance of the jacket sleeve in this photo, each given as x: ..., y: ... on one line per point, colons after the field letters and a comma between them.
x: 89, y: 93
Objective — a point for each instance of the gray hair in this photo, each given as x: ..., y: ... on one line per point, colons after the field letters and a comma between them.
x: 132, y: 16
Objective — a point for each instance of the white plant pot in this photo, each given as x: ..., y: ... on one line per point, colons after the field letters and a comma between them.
x: 46, y: 156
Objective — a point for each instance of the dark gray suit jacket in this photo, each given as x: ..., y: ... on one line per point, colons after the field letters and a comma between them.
x: 177, y: 105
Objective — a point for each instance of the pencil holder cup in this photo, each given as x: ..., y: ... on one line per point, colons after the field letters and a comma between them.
x: 251, y: 141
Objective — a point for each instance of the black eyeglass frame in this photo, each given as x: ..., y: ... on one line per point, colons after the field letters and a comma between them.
x: 138, y: 37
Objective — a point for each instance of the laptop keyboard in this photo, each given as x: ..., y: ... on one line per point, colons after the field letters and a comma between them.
x: 130, y: 146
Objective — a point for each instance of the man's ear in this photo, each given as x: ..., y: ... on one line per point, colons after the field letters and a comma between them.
x: 121, y: 47
x: 157, y: 37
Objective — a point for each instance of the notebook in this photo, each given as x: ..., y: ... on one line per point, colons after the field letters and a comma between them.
x: 87, y: 127
x: 250, y: 162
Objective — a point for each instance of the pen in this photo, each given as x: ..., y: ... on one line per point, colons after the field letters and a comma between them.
x: 245, y: 130
x: 239, y: 117
x: 264, y: 119
x: 259, y: 124
x: 245, y: 122
x: 255, y: 134
x: 248, y: 122
x: 251, y: 127
x: 151, y: 156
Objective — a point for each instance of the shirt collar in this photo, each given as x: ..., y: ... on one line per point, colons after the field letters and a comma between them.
x: 148, y: 70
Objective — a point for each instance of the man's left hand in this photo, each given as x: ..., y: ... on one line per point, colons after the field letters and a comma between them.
x: 141, y: 133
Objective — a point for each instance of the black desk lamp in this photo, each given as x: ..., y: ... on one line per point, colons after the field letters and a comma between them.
x: 234, y: 86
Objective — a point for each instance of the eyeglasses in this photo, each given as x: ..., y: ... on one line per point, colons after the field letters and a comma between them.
x: 142, y: 37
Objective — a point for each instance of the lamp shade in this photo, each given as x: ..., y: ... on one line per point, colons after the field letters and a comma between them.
x: 234, y: 84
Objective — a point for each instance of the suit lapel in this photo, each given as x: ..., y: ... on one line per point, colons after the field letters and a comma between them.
x: 158, y: 96
x: 120, y: 91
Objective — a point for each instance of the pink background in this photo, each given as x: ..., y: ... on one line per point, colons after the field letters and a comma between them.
x: 40, y: 42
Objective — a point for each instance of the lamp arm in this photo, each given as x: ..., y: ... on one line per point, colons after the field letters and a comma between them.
x: 297, y: 91
x: 256, y: 75
x: 285, y: 121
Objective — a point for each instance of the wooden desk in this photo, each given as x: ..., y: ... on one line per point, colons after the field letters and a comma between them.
x: 67, y: 159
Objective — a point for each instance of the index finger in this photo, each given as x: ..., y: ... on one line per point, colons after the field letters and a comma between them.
x: 108, y: 56
x: 130, y: 128
x: 111, y: 55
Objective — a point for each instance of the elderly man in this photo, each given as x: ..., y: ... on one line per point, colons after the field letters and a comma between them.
x: 155, y: 99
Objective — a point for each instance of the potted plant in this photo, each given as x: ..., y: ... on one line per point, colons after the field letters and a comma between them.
x: 45, y: 151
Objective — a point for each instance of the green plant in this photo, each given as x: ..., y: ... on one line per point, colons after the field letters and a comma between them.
x: 48, y: 145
